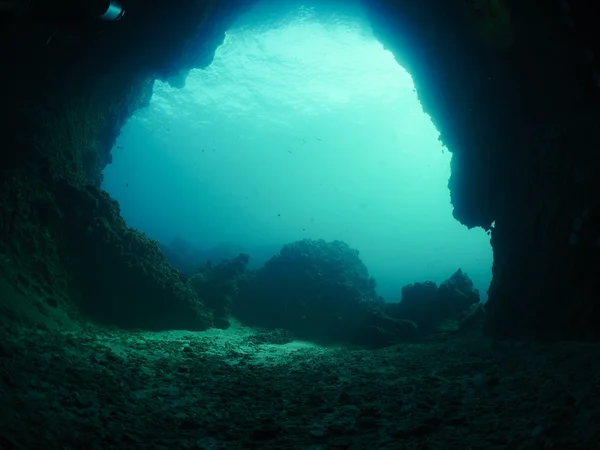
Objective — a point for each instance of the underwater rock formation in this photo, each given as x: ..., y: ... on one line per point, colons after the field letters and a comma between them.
x: 512, y: 86
x: 429, y: 306
x: 111, y: 273
x: 319, y: 291
x: 124, y: 278
x: 64, y: 247
x: 218, y: 286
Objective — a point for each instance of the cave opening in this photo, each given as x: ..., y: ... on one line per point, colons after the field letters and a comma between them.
x: 303, y: 126
x: 106, y: 345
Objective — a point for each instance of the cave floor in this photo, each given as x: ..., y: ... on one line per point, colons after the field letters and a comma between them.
x: 224, y: 390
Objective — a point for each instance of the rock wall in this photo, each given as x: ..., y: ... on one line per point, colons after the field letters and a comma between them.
x: 69, y: 84
x: 511, y: 86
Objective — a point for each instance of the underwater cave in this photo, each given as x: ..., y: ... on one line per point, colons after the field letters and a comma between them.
x: 283, y: 138
x: 270, y: 224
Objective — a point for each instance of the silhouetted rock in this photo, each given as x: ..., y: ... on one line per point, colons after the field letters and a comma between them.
x: 472, y: 318
x: 320, y: 291
x: 218, y: 284
x: 430, y: 306
x: 125, y: 278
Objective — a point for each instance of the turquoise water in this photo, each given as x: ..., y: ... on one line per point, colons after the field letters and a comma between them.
x: 304, y: 126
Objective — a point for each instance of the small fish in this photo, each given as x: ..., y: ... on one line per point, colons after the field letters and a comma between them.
x: 126, y: 184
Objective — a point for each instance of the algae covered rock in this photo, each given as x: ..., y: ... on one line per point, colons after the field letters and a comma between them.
x: 430, y: 306
x: 124, y: 278
x: 318, y: 290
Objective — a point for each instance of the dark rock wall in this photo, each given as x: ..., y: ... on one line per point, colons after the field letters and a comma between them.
x: 69, y: 83
x: 510, y: 84
x: 510, y: 88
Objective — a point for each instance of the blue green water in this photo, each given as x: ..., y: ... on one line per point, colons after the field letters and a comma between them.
x: 304, y: 126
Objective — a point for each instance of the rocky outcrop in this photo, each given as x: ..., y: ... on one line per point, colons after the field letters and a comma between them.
x: 69, y: 86
x: 67, y: 248
x: 122, y: 276
x: 430, y: 306
x: 218, y: 286
x: 319, y: 291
